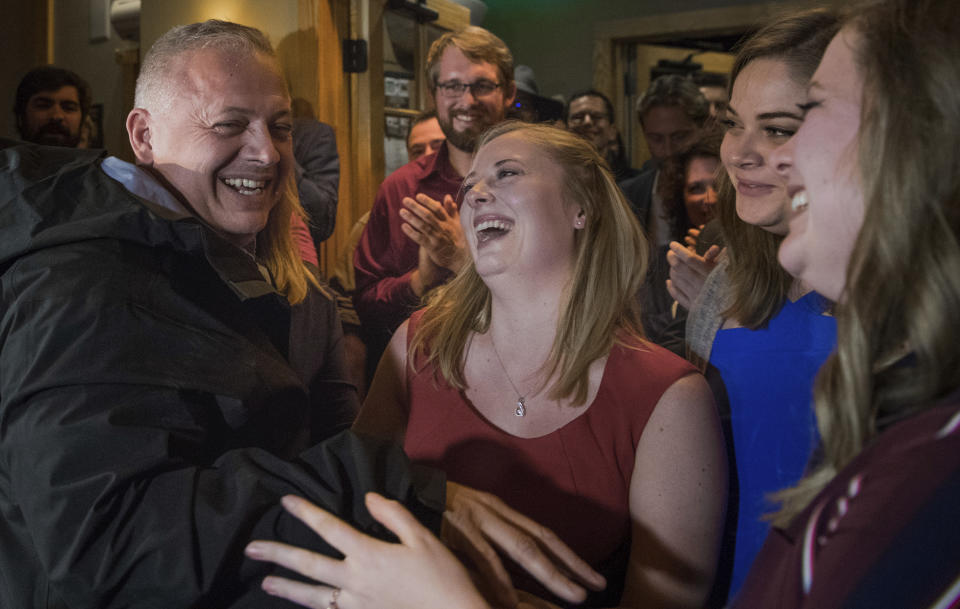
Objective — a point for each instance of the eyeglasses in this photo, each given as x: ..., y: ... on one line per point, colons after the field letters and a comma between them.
x: 580, y: 117
x: 455, y: 88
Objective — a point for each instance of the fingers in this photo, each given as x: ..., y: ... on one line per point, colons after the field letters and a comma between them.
x: 679, y: 295
x: 461, y: 533
x: 526, y: 550
x: 680, y: 252
x: 450, y: 206
x: 426, y: 207
x: 396, y: 518
x: 415, y: 235
x: 428, y: 217
x: 525, y: 541
x: 334, y: 531
x: 711, y: 254
x: 309, y: 564
x: 317, y: 597
x: 417, y: 223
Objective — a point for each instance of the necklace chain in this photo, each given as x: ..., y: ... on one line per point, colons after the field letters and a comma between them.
x: 521, y: 409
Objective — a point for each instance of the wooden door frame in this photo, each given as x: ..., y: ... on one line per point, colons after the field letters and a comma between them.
x: 612, y: 38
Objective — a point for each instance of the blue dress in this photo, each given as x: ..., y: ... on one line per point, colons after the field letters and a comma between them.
x: 768, y: 374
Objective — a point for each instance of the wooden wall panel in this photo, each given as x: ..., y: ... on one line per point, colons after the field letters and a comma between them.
x: 316, y: 65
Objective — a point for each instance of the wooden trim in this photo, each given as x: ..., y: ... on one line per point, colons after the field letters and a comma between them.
x: 402, y: 112
x: 367, y: 114
x: 313, y: 59
x: 50, y: 32
x: 611, y: 37
x: 693, y: 23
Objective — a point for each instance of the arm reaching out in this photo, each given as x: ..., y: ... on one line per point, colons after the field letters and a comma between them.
x: 475, y: 522
x: 417, y: 573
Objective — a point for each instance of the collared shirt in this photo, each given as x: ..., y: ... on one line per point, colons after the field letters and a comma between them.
x: 142, y: 184
x: 385, y: 258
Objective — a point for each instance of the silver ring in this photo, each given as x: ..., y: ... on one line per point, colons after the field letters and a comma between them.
x: 333, y: 599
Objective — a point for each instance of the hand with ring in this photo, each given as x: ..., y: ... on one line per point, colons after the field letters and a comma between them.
x: 333, y: 599
x: 417, y: 573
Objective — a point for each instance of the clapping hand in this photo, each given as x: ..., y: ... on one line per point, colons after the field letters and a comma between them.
x: 688, y: 272
x: 436, y: 228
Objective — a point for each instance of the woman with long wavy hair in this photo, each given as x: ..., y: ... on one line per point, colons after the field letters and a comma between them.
x: 874, y: 181
x: 757, y: 331
x: 527, y: 377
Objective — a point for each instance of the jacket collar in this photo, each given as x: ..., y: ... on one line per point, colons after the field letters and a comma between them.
x: 55, y: 196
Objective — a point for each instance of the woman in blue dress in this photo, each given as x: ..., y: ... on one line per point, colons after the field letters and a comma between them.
x: 762, y: 332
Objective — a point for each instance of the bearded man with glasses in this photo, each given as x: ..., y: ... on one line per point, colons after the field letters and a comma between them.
x: 413, y: 240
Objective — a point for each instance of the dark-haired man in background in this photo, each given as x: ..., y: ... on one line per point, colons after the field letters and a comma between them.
x: 51, y: 105
x: 671, y: 112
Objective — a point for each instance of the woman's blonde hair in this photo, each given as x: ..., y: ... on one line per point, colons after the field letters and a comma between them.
x: 898, y: 321
x: 601, y: 308
x: 277, y: 250
x: 758, y: 284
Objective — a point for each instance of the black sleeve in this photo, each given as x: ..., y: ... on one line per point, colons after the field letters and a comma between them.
x: 317, y: 352
x: 318, y: 175
x: 133, y: 468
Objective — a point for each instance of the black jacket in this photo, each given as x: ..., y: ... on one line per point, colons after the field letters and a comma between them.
x: 157, y: 398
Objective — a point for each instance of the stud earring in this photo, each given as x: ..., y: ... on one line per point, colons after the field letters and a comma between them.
x: 579, y: 222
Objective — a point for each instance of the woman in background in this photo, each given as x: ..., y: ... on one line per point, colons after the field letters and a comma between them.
x: 688, y: 186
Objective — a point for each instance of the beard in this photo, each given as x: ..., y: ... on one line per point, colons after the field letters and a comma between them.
x: 466, y: 140
x: 54, y: 134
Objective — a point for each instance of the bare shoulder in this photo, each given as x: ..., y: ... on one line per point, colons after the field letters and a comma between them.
x: 687, y: 403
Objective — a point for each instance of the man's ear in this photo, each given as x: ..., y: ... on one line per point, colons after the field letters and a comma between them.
x: 138, y: 130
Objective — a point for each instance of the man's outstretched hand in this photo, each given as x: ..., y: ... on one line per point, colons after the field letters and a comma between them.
x: 478, y: 525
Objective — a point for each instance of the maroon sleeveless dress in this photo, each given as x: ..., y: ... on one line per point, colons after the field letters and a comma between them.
x: 575, y: 480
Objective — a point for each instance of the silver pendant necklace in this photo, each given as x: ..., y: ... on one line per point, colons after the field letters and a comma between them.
x: 521, y: 409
